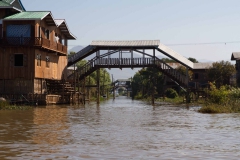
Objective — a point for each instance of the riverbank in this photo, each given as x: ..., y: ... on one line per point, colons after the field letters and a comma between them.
x: 222, y: 100
x: 4, y: 105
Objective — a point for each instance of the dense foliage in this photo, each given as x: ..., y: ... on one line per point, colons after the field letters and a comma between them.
x: 171, y: 93
x: 147, y: 82
x: 225, y: 99
x: 220, y: 73
x: 193, y: 60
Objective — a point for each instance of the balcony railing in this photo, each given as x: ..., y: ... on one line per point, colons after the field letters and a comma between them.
x: 35, y: 41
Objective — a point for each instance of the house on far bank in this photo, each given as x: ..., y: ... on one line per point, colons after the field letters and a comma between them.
x: 33, y: 49
x: 236, y: 56
x: 199, y: 77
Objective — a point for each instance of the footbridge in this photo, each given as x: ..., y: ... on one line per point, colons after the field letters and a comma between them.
x: 122, y: 54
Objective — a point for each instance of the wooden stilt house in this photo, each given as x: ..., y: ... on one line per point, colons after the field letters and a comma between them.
x: 33, y: 50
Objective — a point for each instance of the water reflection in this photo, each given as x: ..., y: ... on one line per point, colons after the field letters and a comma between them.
x: 119, y: 129
x: 15, y: 129
x: 51, y: 125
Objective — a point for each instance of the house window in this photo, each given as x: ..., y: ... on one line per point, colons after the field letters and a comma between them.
x: 196, y: 76
x: 47, y: 61
x: 47, y: 33
x: 38, y: 59
x: 18, y: 60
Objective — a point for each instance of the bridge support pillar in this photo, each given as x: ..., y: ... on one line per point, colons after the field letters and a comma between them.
x: 98, y: 86
x: 188, y: 97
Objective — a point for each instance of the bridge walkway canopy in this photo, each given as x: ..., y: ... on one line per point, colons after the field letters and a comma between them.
x: 121, y: 45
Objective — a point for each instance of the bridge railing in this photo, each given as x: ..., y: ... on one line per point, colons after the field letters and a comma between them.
x: 167, y: 69
x: 171, y: 71
x: 124, y: 61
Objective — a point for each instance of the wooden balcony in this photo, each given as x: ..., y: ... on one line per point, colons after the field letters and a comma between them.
x: 35, y: 42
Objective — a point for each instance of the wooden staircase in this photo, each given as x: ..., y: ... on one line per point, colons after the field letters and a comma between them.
x: 94, y: 64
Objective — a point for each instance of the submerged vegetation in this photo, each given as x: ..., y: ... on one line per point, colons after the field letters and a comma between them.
x: 225, y: 99
x: 220, y: 96
x: 4, y: 105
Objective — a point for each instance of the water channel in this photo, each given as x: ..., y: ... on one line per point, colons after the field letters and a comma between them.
x: 119, y: 129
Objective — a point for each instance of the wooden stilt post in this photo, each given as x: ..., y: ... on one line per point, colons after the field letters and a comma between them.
x: 84, y: 91
x: 107, y: 93
x: 104, y: 82
x: 113, y: 88
x: 154, y: 59
x: 188, y: 98
x: 131, y: 93
x: 78, y: 88
x: 74, y: 68
x: 88, y: 89
x: 98, y: 86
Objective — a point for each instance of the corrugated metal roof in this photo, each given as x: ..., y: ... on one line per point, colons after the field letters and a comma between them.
x: 235, y: 56
x: 62, y: 25
x: 174, y: 55
x: 59, y: 21
x: 174, y: 65
x: 136, y: 43
x: 150, y: 43
x: 4, y: 4
x: 195, y: 65
x: 8, y: 1
x: 29, y: 15
x: 202, y: 65
x: 15, y: 4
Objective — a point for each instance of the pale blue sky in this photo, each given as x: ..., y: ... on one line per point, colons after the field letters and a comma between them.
x: 170, y: 21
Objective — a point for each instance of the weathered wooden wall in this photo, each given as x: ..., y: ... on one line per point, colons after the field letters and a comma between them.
x: 53, y: 30
x: 7, y: 68
x: 17, y: 86
x: 57, y: 66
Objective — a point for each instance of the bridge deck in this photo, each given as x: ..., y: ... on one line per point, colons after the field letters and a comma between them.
x: 121, y: 45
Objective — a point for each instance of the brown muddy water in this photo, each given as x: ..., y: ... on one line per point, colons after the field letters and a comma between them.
x: 120, y: 129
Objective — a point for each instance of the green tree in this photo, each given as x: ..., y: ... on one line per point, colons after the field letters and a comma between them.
x: 183, y: 71
x: 147, y: 82
x: 71, y: 53
x: 105, y: 79
x: 193, y: 60
x: 167, y: 60
x: 220, y: 73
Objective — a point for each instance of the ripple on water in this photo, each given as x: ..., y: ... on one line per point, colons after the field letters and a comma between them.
x: 119, y: 129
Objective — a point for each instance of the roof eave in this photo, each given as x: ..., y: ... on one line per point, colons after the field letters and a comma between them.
x: 234, y: 57
x: 21, y: 19
x: 12, y: 2
x: 72, y: 36
x: 11, y: 7
x: 51, y: 16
